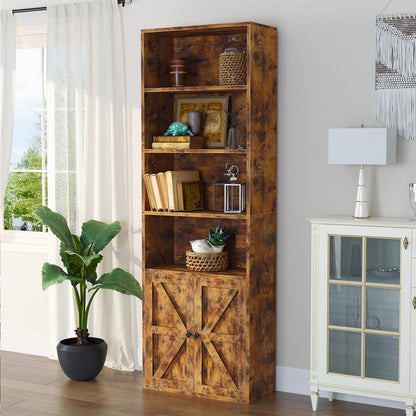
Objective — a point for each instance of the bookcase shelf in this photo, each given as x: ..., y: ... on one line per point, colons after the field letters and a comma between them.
x: 198, y: 89
x: 198, y: 214
x: 227, y: 313
x: 199, y: 151
x: 231, y: 273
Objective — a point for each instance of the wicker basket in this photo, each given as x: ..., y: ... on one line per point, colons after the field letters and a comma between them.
x: 233, y: 68
x: 207, y: 262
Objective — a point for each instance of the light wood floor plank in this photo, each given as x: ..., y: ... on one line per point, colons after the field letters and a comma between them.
x: 36, y: 386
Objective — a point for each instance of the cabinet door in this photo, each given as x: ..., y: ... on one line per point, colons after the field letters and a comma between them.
x: 413, y: 344
x: 364, y: 327
x: 167, y: 325
x: 220, y: 360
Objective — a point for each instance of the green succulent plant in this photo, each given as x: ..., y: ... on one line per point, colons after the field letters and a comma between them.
x: 218, y: 237
x: 80, y: 256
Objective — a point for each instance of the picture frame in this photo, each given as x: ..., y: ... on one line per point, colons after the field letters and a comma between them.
x: 213, y: 117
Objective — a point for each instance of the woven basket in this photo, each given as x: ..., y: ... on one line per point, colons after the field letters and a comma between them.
x: 207, y: 262
x: 233, y: 68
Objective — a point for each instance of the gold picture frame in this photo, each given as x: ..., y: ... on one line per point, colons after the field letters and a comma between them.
x: 213, y: 117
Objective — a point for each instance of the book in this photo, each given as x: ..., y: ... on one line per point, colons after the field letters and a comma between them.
x: 178, y: 139
x: 159, y: 145
x: 161, y: 180
x: 172, y: 178
x: 156, y: 192
x: 149, y: 190
x: 190, y: 196
x: 180, y: 195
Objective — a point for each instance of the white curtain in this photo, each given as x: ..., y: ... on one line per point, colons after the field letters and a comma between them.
x: 88, y: 170
x: 7, y: 69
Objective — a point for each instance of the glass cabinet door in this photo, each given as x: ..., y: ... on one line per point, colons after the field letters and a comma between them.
x: 364, y: 285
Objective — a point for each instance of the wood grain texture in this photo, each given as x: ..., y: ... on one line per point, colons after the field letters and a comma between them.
x: 36, y: 386
x: 261, y: 308
x: 233, y: 313
x: 262, y: 119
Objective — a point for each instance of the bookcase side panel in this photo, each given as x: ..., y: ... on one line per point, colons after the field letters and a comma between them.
x: 262, y: 119
x: 262, y: 306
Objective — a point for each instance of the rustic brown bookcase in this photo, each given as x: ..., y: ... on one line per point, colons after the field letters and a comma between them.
x: 211, y: 334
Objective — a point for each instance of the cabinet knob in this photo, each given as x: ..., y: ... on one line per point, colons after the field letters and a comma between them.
x: 405, y: 243
x: 188, y: 334
x: 196, y: 335
x: 414, y: 302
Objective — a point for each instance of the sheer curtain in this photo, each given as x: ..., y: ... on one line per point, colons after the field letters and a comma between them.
x: 7, y: 67
x: 88, y: 171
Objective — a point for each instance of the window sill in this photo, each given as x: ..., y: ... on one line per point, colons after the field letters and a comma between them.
x: 24, y: 241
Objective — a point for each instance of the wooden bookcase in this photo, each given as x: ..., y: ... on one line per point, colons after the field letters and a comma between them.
x: 211, y: 334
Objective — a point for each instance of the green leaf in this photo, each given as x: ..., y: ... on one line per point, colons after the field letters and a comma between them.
x: 121, y: 281
x: 63, y: 255
x: 57, y: 224
x: 99, y: 233
x: 51, y: 275
x: 80, y: 247
x: 76, y: 262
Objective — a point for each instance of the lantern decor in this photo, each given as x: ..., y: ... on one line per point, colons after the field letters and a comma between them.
x: 230, y: 196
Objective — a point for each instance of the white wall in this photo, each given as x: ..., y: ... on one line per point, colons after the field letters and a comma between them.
x: 325, y: 79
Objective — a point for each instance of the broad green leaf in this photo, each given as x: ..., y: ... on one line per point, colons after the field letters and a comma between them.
x: 78, y: 244
x: 63, y: 255
x: 121, y: 281
x: 99, y: 233
x: 76, y: 262
x: 51, y: 275
x: 57, y: 224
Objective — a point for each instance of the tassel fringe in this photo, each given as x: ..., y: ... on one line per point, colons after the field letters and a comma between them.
x: 397, y: 108
x: 395, y: 49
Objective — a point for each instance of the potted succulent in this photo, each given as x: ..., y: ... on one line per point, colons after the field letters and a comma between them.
x: 83, y: 357
x: 218, y: 238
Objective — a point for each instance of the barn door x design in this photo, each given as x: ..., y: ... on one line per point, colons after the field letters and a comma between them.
x: 218, y: 313
x: 197, y: 335
x: 170, y: 316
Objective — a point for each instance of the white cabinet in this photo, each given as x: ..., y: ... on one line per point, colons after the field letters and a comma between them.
x: 363, y: 320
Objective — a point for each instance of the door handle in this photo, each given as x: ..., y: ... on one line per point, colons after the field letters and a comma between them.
x: 405, y: 243
x: 414, y: 302
x: 188, y: 334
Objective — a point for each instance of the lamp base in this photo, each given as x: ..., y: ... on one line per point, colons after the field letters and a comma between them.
x: 361, y: 204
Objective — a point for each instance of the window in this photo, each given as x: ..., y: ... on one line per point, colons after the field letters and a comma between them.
x: 27, y: 185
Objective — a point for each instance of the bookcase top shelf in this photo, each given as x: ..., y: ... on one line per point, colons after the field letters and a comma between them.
x: 200, y: 30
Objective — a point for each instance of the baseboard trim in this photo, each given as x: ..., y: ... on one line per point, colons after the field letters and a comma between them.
x: 25, y: 343
x: 296, y: 380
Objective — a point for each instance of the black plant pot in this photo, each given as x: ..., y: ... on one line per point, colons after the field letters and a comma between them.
x: 82, y: 363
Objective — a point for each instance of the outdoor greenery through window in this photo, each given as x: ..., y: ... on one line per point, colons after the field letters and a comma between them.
x: 27, y: 185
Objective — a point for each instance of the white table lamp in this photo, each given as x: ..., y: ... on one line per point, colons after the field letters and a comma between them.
x: 362, y: 146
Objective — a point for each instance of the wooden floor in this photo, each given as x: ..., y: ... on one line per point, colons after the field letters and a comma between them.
x: 35, y: 386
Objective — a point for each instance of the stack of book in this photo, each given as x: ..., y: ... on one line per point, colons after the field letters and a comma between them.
x: 174, y: 190
x: 178, y: 142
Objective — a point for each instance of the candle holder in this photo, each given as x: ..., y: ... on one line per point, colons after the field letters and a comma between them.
x: 229, y: 197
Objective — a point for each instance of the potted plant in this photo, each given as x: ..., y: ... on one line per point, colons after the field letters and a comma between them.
x: 218, y: 238
x: 83, y: 357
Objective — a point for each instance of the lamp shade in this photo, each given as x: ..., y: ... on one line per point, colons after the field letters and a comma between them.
x: 362, y: 146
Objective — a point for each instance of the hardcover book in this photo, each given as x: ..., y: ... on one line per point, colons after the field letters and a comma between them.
x: 172, y: 178
x: 190, y: 196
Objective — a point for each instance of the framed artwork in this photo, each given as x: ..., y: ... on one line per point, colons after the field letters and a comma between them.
x: 213, y: 117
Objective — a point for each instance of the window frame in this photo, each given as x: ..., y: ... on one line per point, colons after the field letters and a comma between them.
x: 31, y: 33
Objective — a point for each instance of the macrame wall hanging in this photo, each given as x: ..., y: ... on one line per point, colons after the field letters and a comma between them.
x: 396, y: 73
